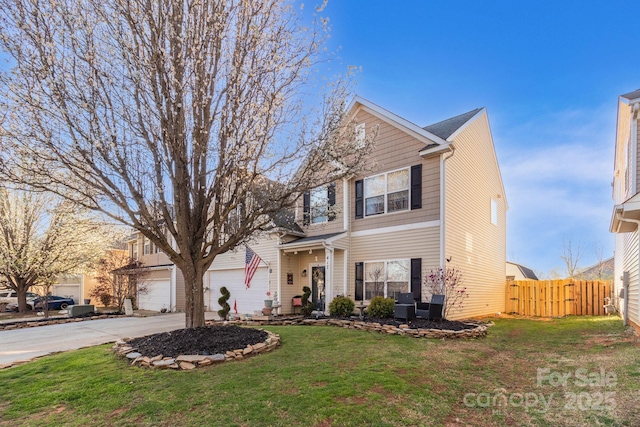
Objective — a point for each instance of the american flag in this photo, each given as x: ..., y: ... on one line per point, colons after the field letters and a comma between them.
x: 251, y: 263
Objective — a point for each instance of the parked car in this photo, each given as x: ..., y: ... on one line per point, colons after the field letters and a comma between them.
x: 53, y: 303
x: 7, y: 297
x: 10, y: 298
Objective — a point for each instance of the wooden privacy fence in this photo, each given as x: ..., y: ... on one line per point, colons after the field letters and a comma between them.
x: 549, y: 298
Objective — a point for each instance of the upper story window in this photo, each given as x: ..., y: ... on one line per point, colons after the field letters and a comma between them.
x: 147, y: 246
x: 494, y: 212
x: 133, y: 252
x: 318, y: 205
x: 360, y: 134
x: 388, y: 192
x: 394, y: 191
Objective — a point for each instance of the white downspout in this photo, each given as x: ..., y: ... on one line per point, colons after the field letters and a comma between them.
x: 443, y: 200
x: 328, y: 290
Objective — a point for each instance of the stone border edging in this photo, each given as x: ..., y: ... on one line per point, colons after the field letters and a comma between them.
x: 189, y: 362
x: 477, y: 332
x: 31, y: 324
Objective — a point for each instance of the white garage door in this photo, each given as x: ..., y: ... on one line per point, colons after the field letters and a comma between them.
x: 246, y: 300
x: 157, y: 296
x: 68, y: 291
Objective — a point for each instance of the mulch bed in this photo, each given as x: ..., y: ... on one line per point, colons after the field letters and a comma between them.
x: 216, y: 339
x: 203, y: 341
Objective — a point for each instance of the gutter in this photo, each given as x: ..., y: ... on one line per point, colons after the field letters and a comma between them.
x: 443, y: 200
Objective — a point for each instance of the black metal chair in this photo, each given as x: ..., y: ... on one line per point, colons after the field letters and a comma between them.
x: 404, y: 307
x: 432, y: 310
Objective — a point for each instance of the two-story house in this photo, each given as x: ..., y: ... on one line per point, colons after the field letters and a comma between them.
x: 626, y: 211
x: 433, y: 196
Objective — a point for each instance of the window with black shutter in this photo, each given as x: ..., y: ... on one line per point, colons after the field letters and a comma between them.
x: 359, y: 199
x: 416, y: 278
x: 359, y: 281
x: 416, y: 187
x: 331, y: 196
x: 306, y: 210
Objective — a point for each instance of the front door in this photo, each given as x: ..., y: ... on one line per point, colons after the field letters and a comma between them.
x: 317, y: 287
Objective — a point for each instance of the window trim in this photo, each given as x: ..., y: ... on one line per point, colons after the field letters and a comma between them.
x: 386, y: 192
x: 147, y: 246
x: 494, y: 212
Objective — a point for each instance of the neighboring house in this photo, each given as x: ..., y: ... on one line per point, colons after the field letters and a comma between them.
x: 435, y: 197
x: 600, y: 271
x: 519, y: 272
x: 626, y: 211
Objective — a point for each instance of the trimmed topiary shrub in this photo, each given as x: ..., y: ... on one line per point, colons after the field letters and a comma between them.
x: 224, y: 312
x: 307, y: 306
x: 380, y: 307
x: 341, y: 306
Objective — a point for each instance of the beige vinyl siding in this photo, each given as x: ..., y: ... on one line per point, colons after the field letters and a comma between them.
x: 290, y: 263
x: 418, y: 243
x: 395, y: 149
x: 631, y: 261
x: 620, y: 190
x: 264, y: 247
x: 154, y: 259
x: 476, y: 246
x: 637, y: 157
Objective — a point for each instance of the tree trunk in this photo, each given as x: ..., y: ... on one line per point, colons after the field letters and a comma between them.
x: 21, y: 291
x: 194, y: 295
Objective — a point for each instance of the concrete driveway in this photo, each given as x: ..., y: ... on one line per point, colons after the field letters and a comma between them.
x: 22, y: 345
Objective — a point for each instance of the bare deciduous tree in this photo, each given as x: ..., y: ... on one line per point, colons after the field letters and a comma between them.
x: 42, y: 238
x: 190, y: 117
x: 572, y: 253
x: 119, y: 277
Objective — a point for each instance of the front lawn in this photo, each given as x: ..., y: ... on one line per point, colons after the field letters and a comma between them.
x: 574, y: 371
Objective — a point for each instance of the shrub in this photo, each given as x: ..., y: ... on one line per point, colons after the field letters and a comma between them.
x: 449, y: 282
x: 224, y: 312
x: 341, y: 306
x: 307, y: 306
x: 102, y: 292
x: 380, y: 307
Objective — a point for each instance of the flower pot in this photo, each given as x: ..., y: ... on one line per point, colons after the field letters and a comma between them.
x: 268, y: 303
x: 267, y: 311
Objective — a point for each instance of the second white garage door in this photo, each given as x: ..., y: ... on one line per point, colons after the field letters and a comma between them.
x: 246, y: 300
x: 158, y: 295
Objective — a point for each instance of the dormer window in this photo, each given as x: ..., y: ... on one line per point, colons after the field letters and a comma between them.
x: 318, y: 203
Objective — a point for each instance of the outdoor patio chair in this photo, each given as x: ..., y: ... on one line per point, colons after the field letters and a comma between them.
x: 296, y: 302
x: 432, y: 310
x: 404, y: 307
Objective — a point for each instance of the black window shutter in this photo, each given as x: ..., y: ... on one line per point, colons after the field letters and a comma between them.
x: 359, y: 199
x: 416, y: 187
x: 359, y: 281
x: 331, y: 195
x: 416, y: 278
x: 306, y: 209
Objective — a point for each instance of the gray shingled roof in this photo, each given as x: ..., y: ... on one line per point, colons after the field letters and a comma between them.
x: 632, y: 95
x: 527, y: 272
x: 446, y: 128
x: 313, y: 239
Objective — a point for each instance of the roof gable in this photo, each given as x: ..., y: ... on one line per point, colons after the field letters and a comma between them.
x: 448, y: 127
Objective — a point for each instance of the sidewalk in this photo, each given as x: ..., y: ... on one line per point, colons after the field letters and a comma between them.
x: 22, y: 345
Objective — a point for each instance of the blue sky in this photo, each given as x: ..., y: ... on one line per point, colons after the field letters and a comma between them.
x: 549, y: 74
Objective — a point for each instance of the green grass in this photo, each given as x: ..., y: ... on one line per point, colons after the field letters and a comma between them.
x: 327, y: 376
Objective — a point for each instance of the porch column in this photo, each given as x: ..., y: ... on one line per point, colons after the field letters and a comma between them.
x: 328, y: 278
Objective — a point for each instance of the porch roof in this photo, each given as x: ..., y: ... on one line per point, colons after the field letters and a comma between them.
x: 626, y: 215
x: 313, y: 241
